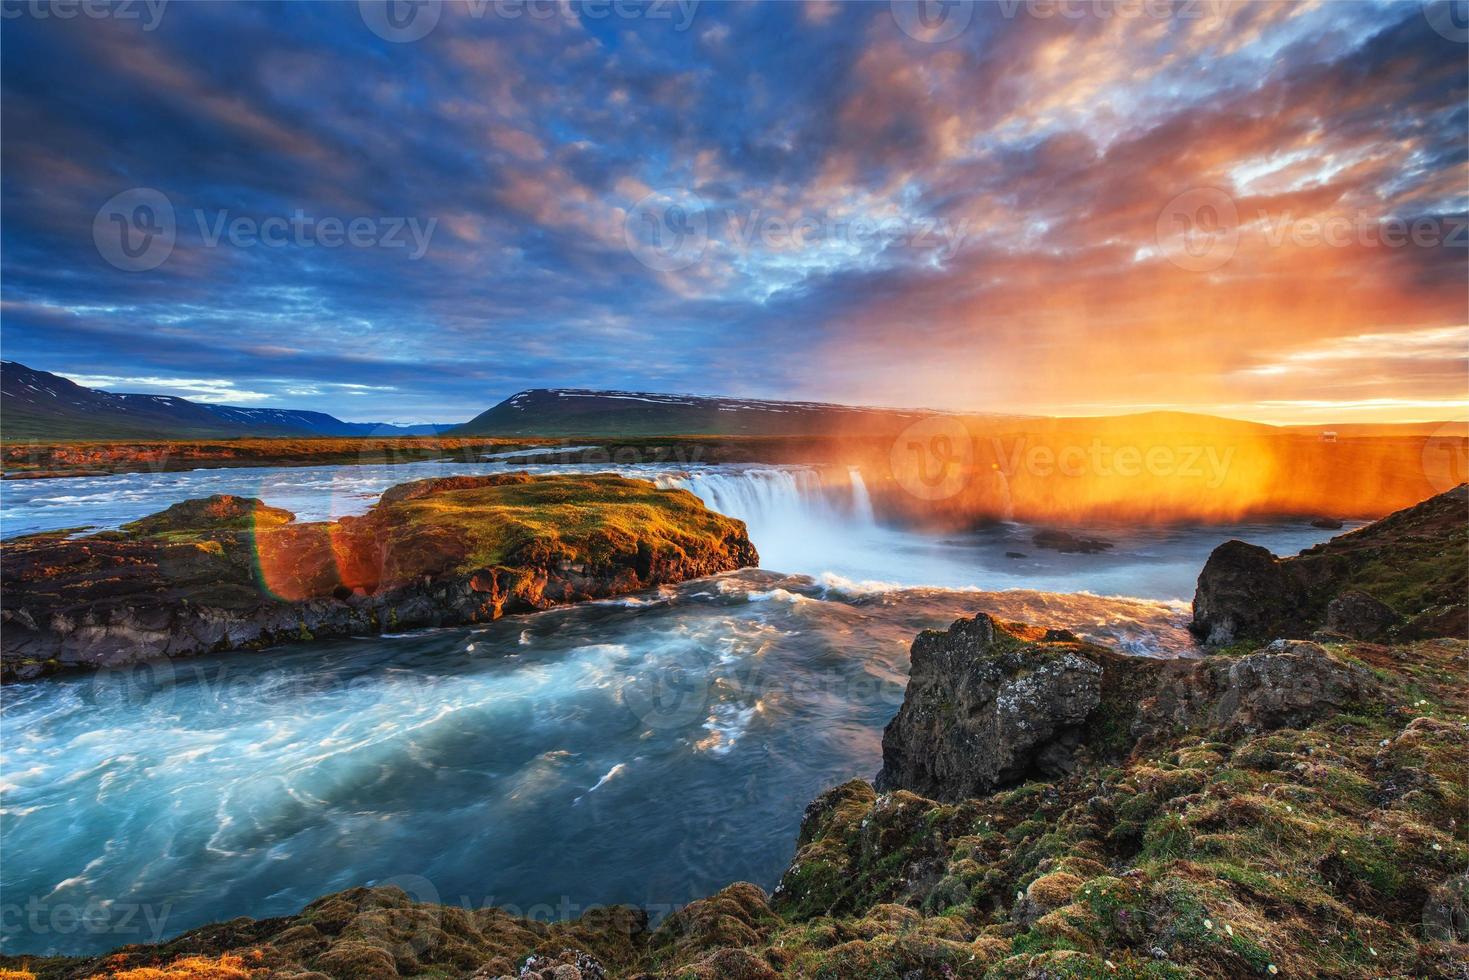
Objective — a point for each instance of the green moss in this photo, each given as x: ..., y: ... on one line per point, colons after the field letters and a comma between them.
x: 184, y: 522
x: 572, y: 519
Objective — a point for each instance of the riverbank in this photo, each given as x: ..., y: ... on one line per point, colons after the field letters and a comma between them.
x: 31, y: 460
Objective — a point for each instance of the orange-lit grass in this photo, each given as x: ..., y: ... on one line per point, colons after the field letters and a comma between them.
x: 226, y: 967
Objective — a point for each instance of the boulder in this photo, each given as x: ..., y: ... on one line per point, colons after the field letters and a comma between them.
x: 1403, y: 577
x: 992, y: 704
x: 987, y: 703
x: 1243, y: 592
x: 1356, y: 614
x: 1068, y: 543
x: 1286, y: 685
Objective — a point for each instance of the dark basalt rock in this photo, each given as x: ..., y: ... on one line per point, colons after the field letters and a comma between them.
x: 991, y: 704
x: 1243, y: 592
x: 1327, y: 523
x: 1288, y: 684
x: 1401, y: 578
x: 986, y: 703
x: 1068, y: 543
x: 1357, y: 615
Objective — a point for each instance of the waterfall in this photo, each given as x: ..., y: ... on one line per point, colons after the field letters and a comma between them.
x: 794, y: 517
x: 861, y: 499
x: 1008, y: 511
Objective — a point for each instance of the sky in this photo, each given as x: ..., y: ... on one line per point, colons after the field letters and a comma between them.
x: 407, y: 212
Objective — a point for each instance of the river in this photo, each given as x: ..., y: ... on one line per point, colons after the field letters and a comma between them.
x: 645, y: 750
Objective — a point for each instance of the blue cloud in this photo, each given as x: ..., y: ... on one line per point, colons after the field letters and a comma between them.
x: 841, y: 182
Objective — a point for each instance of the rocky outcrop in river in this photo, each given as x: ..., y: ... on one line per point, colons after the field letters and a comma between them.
x: 227, y: 573
x: 1403, y: 577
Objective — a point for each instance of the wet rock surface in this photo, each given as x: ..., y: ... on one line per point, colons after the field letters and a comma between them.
x: 1068, y: 543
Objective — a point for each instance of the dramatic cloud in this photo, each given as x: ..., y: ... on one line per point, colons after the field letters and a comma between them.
x: 1021, y: 205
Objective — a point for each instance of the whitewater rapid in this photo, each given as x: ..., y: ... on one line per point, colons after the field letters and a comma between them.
x: 646, y: 750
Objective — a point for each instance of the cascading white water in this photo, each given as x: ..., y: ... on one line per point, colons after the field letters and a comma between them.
x: 795, y: 518
x: 861, y: 499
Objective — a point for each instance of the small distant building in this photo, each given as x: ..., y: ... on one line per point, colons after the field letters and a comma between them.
x: 1328, y: 436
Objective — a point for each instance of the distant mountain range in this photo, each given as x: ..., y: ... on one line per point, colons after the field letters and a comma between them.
x: 556, y: 412
x: 42, y: 406
x: 39, y: 405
